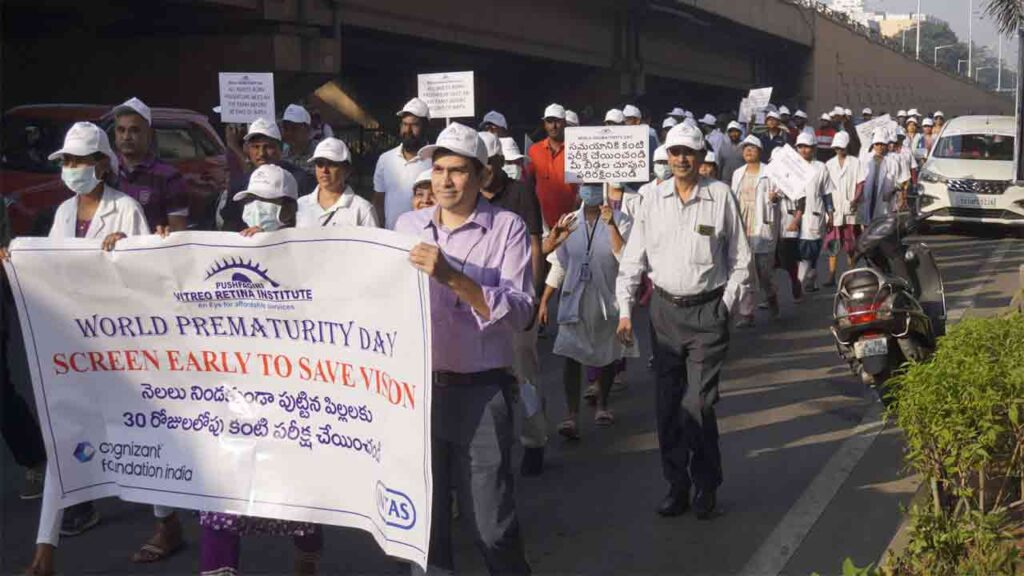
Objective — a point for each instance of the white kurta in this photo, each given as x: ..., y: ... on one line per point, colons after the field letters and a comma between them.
x: 762, y: 223
x: 880, y: 181
x: 845, y: 177
x: 588, y: 315
x: 349, y: 210
x: 812, y: 225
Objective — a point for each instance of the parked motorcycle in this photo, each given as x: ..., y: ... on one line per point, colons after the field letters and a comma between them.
x: 892, y: 308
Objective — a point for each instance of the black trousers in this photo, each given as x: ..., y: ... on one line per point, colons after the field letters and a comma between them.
x: 17, y: 423
x: 690, y: 345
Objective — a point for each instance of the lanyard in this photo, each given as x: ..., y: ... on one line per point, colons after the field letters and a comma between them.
x: 591, y: 232
x: 330, y: 217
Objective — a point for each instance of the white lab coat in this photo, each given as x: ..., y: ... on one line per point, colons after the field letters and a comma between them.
x: 117, y: 212
x: 845, y: 179
x: 812, y: 225
x: 766, y: 212
x: 588, y: 314
x: 880, y: 181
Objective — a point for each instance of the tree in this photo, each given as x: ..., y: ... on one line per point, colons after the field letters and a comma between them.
x: 1008, y: 14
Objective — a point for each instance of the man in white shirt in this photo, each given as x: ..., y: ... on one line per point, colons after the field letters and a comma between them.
x: 398, y: 168
x: 816, y: 217
x: 730, y: 151
x: 883, y: 180
x: 333, y: 203
x: 847, y: 177
x: 689, y: 239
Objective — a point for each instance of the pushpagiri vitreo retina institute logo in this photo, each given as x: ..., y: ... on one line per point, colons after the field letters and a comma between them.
x: 235, y: 279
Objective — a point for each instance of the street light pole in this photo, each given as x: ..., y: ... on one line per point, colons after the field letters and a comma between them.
x: 958, y: 63
x: 935, y: 56
x: 918, y: 50
x: 1018, y: 142
x: 970, y: 36
x: 999, y: 73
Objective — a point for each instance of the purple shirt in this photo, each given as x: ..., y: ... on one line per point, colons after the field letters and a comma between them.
x: 158, y: 186
x: 493, y: 248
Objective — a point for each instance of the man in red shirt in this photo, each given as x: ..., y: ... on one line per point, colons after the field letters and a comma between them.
x: 547, y: 168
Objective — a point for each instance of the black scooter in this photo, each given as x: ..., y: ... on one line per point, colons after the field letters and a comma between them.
x: 892, y: 308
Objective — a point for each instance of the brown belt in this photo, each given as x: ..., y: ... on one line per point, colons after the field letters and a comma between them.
x: 689, y: 301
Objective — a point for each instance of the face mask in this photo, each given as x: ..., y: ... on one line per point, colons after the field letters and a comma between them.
x: 262, y: 214
x: 514, y: 171
x: 592, y: 195
x: 662, y: 171
x: 80, y: 180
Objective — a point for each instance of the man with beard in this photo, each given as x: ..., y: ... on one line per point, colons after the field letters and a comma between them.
x: 398, y: 168
x: 547, y: 168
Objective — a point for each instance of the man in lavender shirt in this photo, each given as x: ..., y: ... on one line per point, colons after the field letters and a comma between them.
x: 481, y: 294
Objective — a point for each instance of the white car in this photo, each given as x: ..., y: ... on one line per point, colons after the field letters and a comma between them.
x: 969, y: 173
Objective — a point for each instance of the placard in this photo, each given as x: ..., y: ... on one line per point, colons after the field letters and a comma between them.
x: 246, y: 96
x: 209, y: 371
x: 789, y: 171
x: 607, y: 154
x: 759, y: 98
x: 866, y: 130
x: 448, y: 94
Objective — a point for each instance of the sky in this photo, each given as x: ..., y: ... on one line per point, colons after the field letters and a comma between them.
x: 954, y: 12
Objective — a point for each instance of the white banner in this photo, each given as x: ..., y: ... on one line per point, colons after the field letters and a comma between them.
x: 607, y: 154
x: 245, y: 97
x: 759, y: 98
x: 284, y: 376
x: 448, y: 95
x: 866, y: 130
x: 789, y: 171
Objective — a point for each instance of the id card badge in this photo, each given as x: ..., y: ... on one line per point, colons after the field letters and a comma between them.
x: 585, y: 273
x: 705, y: 230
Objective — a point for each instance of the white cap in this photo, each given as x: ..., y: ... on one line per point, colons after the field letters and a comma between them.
x: 913, y: 119
x: 841, y: 140
x: 880, y: 137
x: 710, y: 158
x: 688, y: 114
x: 332, y: 149
x: 554, y: 111
x: 901, y: 113
x: 510, y: 150
x: 689, y: 121
x: 216, y: 109
x: 496, y: 118
x: 800, y: 114
x: 838, y: 111
x: 847, y: 112
x: 938, y: 114
x: 270, y: 181
x: 677, y: 111
x: 615, y: 115
x: 296, y: 114
x: 894, y: 137
x: 709, y: 120
x: 262, y: 126
x: 491, y: 143
x: 571, y: 118
x: 461, y: 140
x: 424, y: 176
x: 783, y: 111
x: 805, y: 139
x: 734, y: 125
x: 684, y: 135
x: 661, y: 154
x: 86, y: 139
x: 416, y: 107
x: 631, y: 111
x: 913, y: 112
x: 773, y: 114
x: 669, y: 122
x: 136, y: 106
x: 867, y: 111
x: 826, y: 117
x: 752, y: 140
x: 928, y: 122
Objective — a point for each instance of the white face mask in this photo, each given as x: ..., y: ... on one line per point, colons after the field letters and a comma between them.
x: 662, y: 171
x: 80, y: 180
x: 266, y: 215
x: 514, y: 171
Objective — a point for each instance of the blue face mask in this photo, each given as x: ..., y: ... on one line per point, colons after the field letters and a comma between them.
x: 591, y: 195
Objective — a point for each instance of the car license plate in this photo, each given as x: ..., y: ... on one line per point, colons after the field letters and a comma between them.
x: 871, y: 347
x: 973, y: 200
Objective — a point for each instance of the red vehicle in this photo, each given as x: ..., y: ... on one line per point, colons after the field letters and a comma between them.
x: 31, y: 185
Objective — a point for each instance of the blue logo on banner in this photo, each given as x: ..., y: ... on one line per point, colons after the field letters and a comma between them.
x: 84, y: 452
x: 395, y: 508
x: 242, y: 271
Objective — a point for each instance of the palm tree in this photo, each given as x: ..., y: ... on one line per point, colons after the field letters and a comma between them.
x: 1009, y: 15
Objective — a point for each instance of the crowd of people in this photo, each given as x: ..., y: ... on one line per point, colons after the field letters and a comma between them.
x: 512, y: 249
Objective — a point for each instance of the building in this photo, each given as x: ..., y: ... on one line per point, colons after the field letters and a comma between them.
x: 894, y: 24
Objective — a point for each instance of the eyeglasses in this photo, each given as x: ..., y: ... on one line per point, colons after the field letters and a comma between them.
x: 322, y: 163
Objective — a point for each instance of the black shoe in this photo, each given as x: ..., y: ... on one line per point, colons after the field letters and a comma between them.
x: 533, y: 462
x: 675, y: 504
x: 79, y: 519
x: 704, y: 504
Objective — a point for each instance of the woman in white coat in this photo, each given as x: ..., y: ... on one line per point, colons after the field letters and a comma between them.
x: 759, y: 208
x: 585, y: 267
x: 95, y: 211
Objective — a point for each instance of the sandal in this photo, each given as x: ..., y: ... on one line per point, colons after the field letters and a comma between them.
x: 604, y: 418
x: 165, y: 543
x: 567, y: 429
x: 590, y: 394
